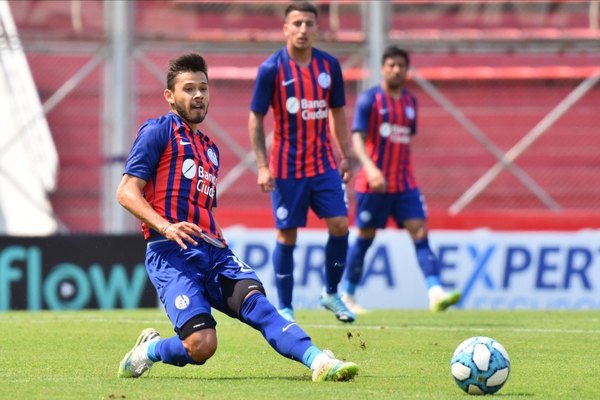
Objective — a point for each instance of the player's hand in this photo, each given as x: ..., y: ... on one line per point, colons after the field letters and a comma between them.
x: 265, y: 179
x: 182, y: 232
x: 346, y: 169
x: 376, y: 180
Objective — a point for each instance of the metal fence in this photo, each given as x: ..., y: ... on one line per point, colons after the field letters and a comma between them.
x: 508, y: 95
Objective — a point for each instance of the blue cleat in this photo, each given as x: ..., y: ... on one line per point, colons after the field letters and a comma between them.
x: 287, y: 313
x: 334, y: 303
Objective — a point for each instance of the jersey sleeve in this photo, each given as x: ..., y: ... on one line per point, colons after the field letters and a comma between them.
x: 147, y: 149
x: 264, y: 87
x: 362, y: 111
x: 337, y: 97
x: 413, y: 121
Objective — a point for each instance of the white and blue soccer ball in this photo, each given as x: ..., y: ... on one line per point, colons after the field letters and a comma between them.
x: 480, y: 365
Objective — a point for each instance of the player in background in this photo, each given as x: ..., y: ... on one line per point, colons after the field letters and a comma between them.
x: 384, y: 122
x: 170, y: 184
x: 304, y: 87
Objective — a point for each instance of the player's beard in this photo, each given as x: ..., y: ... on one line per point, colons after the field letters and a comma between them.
x: 186, y: 115
x: 395, y: 84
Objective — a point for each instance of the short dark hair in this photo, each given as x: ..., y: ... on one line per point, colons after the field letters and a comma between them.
x: 186, y: 63
x: 303, y: 6
x: 395, y: 51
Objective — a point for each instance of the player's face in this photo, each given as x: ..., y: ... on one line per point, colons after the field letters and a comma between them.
x: 394, y: 71
x: 300, y: 29
x: 190, y: 97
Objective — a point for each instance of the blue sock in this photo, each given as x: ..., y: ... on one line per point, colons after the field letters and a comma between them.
x: 355, y: 262
x: 309, y: 355
x: 287, y: 338
x: 335, y: 260
x: 428, y: 262
x: 433, y: 280
x: 283, y: 263
x: 170, y: 351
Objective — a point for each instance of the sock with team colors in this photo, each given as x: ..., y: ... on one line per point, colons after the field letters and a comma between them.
x: 335, y: 261
x: 355, y: 263
x: 427, y: 260
x: 283, y: 263
x: 170, y: 351
x: 287, y: 338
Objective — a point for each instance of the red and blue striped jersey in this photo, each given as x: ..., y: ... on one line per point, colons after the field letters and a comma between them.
x: 389, y: 124
x: 180, y: 168
x: 300, y: 98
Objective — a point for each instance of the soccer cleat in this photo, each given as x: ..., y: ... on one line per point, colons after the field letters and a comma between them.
x: 287, y: 313
x: 331, y: 369
x: 334, y: 303
x: 136, y: 361
x: 350, y: 302
x: 444, y: 301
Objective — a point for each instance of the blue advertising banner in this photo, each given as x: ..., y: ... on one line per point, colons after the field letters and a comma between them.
x: 493, y: 270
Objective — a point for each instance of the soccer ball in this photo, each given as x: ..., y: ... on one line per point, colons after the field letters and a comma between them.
x: 480, y: 365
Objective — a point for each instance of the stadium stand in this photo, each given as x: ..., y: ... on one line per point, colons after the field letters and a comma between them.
x: 504, y: 67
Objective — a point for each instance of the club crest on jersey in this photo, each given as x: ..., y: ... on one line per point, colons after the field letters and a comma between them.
x: 182, y: 302
x: 324, y: 80
x: 212, y: 157
x: 281, y: 213
x: 409, y: 112
x: 365, y: 216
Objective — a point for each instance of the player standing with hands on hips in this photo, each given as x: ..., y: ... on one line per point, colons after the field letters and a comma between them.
x: 385, y: 120
x: 305, y: 88
x: 170, y: 185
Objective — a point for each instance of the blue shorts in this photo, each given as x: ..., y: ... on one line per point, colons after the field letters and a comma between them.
x: 188, y: 282
x: 374, y: 209
x: 325, y: 194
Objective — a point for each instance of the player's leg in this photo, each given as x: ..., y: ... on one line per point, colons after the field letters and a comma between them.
x: 411, y: 212
x: 371, y: 213
x: 283, y: 264
x: 355, y: 261
x: 290, y: 207
x: 289, y: 340
x: 328, y: 200
x: 188, y: 310
x: 439, y: 299
x: 335, y: 262
x: 242, y: 296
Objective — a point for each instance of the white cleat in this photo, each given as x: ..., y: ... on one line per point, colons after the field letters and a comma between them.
x: 443, y: 301
x: 328, y: 368
x: 350, y: 302
x: 136, y: 361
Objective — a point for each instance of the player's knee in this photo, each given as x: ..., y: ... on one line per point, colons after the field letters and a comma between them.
x: 235, y: 292
x: 287, y: 236
x: 199, y: 337
x: 201, y: 345
x: 338, y: 226
x: 420, y: 233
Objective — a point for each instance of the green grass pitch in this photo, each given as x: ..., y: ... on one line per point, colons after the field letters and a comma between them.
x: 401, y: 354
